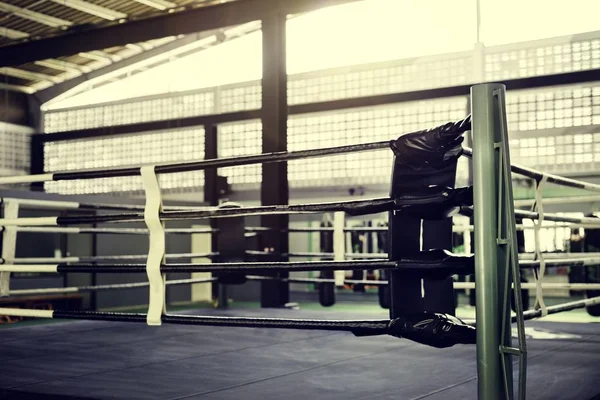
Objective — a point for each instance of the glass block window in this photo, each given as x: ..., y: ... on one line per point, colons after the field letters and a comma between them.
x: 238, y: 139
x: 578, y: 152
x: 547, y: 128
x: 542, y: 57
x: 150, y: 148
x: 14, y: 150
x: 151, y: 109
x: 241, y: 97
x: 391, y: 77
x: 554, y: 108
x: 360, y: 126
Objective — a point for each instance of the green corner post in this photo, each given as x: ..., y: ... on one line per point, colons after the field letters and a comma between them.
x: 492, y: 274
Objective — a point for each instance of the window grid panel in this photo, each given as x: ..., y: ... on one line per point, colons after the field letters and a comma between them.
x: 242, y: 97
x: 391, y: 77
x: 239, y: 139
x: 546, y: 56
x: 542, y: 57
x: 14, y: 151
x: 563, y: 107
x: 360, y: 126
x: 155, y: 109
x: 151, y: 148
x: 578, y: 152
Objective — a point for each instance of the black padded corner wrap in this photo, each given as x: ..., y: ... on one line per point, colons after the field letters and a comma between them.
x: 431, y: 148
x: 433, y: 329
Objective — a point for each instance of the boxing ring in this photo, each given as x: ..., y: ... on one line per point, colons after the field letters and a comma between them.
x: 197, y: 354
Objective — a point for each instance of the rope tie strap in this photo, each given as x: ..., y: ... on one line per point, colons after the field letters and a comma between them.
x: 157, y: 248
x: 539, y: 256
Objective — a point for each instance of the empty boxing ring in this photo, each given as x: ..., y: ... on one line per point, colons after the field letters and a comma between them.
x: 324, y: 355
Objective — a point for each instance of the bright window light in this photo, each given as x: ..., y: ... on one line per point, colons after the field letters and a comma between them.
x: 513, y: 21
x: 355, y: 33
x: 361, y: 32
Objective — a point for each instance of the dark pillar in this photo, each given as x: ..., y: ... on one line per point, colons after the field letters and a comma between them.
x: 15, y: 108
x: 37, y: 160
x: 211, y: 190
x: 274, y: 186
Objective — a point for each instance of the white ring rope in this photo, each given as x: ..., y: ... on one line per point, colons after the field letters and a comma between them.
x: 157, y: 247
x: 98, y: 288
x: 539, y: 256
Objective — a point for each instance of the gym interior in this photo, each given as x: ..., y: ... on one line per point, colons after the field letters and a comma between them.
x: 242, y: 199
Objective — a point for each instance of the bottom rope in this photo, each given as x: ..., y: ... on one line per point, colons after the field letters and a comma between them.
x: 432, y: 329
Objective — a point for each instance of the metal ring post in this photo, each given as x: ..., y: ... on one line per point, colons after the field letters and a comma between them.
x: 485, y: 201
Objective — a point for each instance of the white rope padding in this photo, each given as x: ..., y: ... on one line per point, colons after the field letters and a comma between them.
x: 40, y: 260
x: 44, y: 203
x: 21, y: 312
x: 54, y: 230
x: 157, y: 247
x: 339, y: 245
x: 37, y: 268
x: 540, y: 272
x: 9, y: 244
x: 9, y: 180
x: 116, y: 286
x: 34, y: 221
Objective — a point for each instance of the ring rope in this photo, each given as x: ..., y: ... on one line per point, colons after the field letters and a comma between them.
x: 260, y: 267
x: 90, y: 259
x: 460, y: 127
x: 538, y: 175
x: 457, y: 285
x: 372, y: 327
x: 74, y: 205
x: 353, y: 207
x: 98, y: 288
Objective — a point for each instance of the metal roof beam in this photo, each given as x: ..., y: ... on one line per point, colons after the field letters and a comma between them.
x: 169, y: 24
x: 61, y: 65
x: 52, y: 92
x: 158, y: 4
x: 92, y: 9
x: 34, y: 16
x: 24, y: 74
x: 16, y: 88
x: 12, y: 34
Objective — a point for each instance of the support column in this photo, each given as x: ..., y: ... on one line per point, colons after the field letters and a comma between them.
x: 274, y: 187
x: 489, y: 274
x: 37, y: 160
x: 211, y: 189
